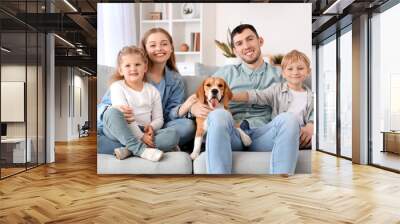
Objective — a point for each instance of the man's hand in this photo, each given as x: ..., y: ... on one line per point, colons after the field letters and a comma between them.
x: 185, y: 107
x: 200, y: 110
x: 127, y: 111
x: 148, y: 137
x: 306, y: 133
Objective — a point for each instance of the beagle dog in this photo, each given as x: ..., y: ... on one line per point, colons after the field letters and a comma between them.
x: 216, y: 94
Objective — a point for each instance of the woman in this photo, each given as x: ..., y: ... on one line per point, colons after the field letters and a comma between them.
x: 163, y: 74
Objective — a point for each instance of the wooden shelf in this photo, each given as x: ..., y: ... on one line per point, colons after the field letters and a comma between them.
x: 187, y: 52
x: 186, y: 20
x: 154, y: 21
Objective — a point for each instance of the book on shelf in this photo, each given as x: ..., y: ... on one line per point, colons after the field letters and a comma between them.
x: 195, y: 41
x: 191, y: 41
x: 155, y: 15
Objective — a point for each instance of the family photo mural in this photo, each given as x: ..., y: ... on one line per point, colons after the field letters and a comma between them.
x: 187, y: 88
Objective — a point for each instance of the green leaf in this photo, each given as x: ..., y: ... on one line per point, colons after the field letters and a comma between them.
x: 226, y: 48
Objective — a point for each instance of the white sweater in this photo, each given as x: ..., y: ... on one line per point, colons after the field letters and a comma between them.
x: 146, y: 105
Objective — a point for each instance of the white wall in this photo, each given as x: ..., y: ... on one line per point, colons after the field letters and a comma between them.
x: 284, y: 26
x: 61, y: 103
x: 67, y: 117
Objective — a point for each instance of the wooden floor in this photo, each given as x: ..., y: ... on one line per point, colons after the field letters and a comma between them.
x: 387, y: 159
x: 70, y: 191
x: 10, y: 171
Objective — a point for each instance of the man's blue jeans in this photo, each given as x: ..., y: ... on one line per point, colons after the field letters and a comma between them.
x: 116, y: 133
x: 281, y: 136
x: 185, y: 128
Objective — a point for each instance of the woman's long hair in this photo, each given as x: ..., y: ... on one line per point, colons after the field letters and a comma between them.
x: 127, y: 51
x: 171, y: 62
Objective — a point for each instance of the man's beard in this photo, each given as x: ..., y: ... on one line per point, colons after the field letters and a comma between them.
x: 253, y: 61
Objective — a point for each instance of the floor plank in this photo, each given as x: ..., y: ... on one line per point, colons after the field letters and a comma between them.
x: 70, y: 191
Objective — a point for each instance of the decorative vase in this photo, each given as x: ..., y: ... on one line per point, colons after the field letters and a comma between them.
x: 189, y: 11
x: 184, y: 47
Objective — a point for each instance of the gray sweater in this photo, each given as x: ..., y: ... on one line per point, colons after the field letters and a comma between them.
x: 279, y: 98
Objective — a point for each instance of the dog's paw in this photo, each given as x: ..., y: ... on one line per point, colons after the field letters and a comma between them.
x: 194, y: 155
x: 246, y: 140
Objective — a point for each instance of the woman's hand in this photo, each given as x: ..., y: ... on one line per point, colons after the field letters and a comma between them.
x: 306, y: 133
x: 185, y: 107
x: 127, y: 111
x: 199, y: 109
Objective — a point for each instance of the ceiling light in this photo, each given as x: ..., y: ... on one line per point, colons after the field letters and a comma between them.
x: 64, y: 40
x: 84, y: 71
x: 70, y: 5
x: 5, y: 50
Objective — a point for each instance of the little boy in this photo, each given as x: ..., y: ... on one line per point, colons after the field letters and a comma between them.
x: 289, y: 96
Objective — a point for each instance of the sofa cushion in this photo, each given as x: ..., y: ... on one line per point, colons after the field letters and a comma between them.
x: 254, y: 163
x: 171, y: 163
x: 204, y: 70
x: 192, y: 83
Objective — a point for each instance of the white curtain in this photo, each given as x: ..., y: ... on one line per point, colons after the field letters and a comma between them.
x: 116, y: 27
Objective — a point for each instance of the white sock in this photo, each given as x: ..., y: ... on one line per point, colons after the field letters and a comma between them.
x: 246, y: 140
x: 152, y: 154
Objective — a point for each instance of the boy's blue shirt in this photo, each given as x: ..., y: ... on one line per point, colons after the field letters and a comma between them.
x: 172, y: 96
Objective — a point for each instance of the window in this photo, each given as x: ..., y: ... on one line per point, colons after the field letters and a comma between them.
x: 327, y: 97
x: 346, y: 94
x: 22, y: 65
x: 385, y: 87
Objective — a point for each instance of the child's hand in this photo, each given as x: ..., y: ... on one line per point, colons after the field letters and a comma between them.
x: 127, y: 111
x: 148, y: 140
x: 240, y: 97
x: 306, y: 133
x: 149, y: 130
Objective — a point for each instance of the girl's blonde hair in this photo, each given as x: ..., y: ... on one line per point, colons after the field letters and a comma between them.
x: 128, y: 50
x: 171, y: 62
x: 294, y: 56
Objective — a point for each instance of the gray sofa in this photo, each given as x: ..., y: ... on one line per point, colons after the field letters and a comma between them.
x: 181, y: 163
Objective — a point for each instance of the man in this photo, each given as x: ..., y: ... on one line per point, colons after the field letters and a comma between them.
x: 281, y: 135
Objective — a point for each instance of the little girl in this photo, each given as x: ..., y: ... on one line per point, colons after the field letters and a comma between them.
x: 129, y: 88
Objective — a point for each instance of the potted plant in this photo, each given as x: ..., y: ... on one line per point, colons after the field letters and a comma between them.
x: 227, y: 49
x: 276, y: 59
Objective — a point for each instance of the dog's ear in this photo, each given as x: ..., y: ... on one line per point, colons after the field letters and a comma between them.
x: 227, y: 95
x: 200, y: 92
